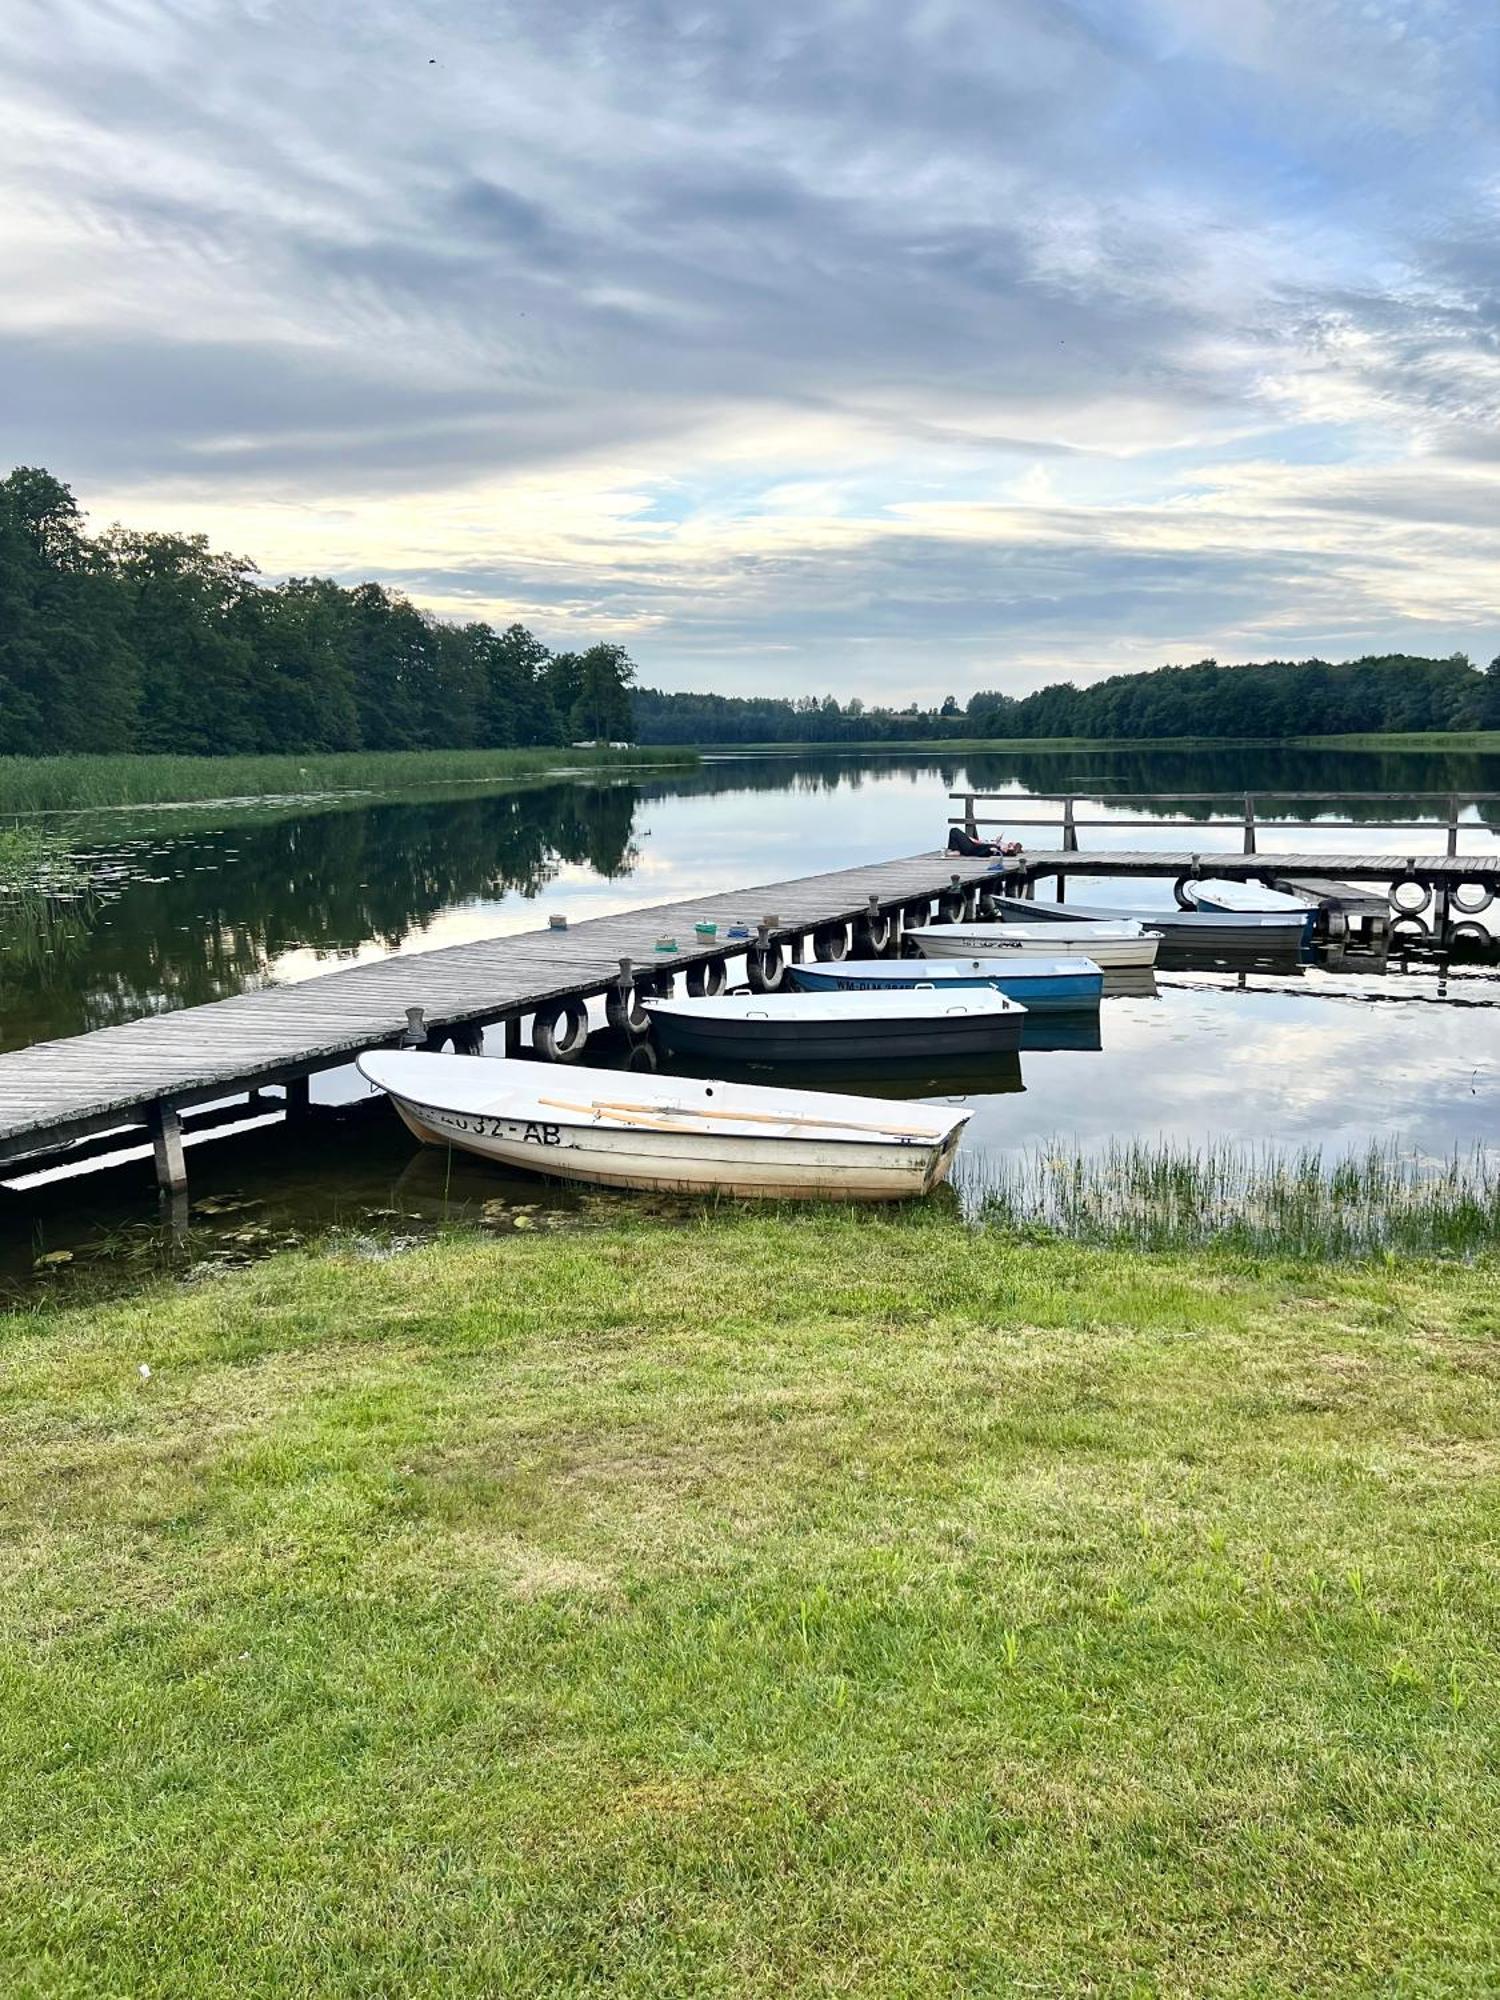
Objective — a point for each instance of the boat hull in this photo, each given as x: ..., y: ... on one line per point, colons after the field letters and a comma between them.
x: 1038, y: 989
x: 670, y: 1133
x: 693, y: 1163
x: 819, y: 1042
x: 996, y: 940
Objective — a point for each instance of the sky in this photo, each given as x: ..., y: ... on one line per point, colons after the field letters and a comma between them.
x: 895, y: 348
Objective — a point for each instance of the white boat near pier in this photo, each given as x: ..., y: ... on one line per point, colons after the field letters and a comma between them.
x: 671, y: 1133
x: 1110, y: 946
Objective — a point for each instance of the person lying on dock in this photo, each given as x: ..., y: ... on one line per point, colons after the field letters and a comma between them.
x: 973, y: 849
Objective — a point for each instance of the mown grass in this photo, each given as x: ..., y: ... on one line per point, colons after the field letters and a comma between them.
x: 822, y: 1604
x: 1260, y: 1201
x: 60, y: 784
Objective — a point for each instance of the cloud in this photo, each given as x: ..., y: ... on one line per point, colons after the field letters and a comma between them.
x: 975, y: 341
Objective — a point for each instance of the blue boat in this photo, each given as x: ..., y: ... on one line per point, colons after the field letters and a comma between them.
x: 1045, y: 985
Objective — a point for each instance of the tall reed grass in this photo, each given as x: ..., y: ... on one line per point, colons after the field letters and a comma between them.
x: 73, y: 784
x: 1156, y: 1195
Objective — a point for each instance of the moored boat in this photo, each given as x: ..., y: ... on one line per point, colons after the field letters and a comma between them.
x: 676, y: 1134
x: 1042, y: 985
x: 1252, y: 899
x: 1200, y: 930
x: 1114, y: 944
x: 839, y: 1027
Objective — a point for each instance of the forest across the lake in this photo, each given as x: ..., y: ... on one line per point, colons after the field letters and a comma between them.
x: 133, y: 642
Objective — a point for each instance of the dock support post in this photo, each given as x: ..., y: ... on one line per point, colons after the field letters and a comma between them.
x: 165, y: 1128
x: 1062, y: 886
x: 511, y: 1026
x: 971, y: 824
x: 1452, y: 828
x: 1070, y: 833
x: 1249, y: 824
x: 298, y: 1100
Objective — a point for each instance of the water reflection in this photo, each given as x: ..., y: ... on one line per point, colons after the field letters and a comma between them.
x: 251, y: 895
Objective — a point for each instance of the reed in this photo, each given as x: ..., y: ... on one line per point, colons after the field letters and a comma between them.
x: 74, y: 784
x: 1258, y: 1200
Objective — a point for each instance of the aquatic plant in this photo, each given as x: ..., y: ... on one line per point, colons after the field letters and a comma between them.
x: 35, y: 862
x: 1261, y: 1200
x: 71, y: 784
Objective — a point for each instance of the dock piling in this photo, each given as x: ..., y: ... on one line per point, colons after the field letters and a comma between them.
x: 165, y: 1127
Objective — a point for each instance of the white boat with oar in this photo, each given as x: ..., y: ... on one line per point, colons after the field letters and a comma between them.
x: 673, y: 1133
x: 1110, y: 946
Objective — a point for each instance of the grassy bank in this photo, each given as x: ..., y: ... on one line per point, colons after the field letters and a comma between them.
x: 63, y: 784
x: 826, y: 1604
x: 1484, y: 740
x: 940, y: 747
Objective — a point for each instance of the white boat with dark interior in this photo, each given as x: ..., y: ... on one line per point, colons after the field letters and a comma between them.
x: 1183, y: 930
x: 675, y: 1134
x: 858, y: 1027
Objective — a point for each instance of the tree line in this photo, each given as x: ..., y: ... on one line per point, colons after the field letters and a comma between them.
x: 1276, y: 698
x: 130, y: 641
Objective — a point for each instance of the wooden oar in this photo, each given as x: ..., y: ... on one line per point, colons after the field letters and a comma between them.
x: 615, y: 1109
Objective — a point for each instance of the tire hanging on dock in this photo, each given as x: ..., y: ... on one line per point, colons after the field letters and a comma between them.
x: 560, y: 1031
x: 765, y: 966
x: 830, y: 941
x: 873, y: 935
x: 623, y: 1009
x: 707, y: 979
x: 1481, y: 901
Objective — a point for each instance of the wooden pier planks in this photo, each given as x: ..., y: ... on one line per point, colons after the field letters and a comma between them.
x: 55, y: 1092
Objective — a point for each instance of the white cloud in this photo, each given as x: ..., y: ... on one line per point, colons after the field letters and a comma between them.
x: 981, y: 341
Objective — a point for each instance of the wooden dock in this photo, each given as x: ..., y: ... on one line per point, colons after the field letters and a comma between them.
x: 1432, y: 870
x: 57, y: 1095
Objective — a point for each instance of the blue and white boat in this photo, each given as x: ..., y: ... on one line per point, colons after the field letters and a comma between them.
x: 1042, y: 985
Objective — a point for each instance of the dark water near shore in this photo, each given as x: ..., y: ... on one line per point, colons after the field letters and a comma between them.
x: 196, y: 904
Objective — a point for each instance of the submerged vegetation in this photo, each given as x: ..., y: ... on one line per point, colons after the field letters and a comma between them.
x: 35, y: 862
x: 830, y: 1603
x: 1157, y: 1195
x: 72, y: 784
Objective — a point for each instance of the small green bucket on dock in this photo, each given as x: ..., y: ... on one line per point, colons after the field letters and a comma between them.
x: 706, y: 930
x: 666, y: 944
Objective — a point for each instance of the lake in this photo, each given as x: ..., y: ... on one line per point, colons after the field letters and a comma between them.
x: 197, y: 903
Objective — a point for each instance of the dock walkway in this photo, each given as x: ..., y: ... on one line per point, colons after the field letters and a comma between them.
x: 56, y: 1094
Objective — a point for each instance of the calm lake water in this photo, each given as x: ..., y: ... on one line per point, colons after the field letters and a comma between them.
x: 198, y: 903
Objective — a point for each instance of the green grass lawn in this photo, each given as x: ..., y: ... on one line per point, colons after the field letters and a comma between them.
x: 771, y: 1604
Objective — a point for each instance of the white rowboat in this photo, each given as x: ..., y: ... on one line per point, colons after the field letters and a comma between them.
x: 677, y: 1134
x: 1110, y: 946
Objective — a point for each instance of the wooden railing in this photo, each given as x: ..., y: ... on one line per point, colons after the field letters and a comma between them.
x: 1452, y: 805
